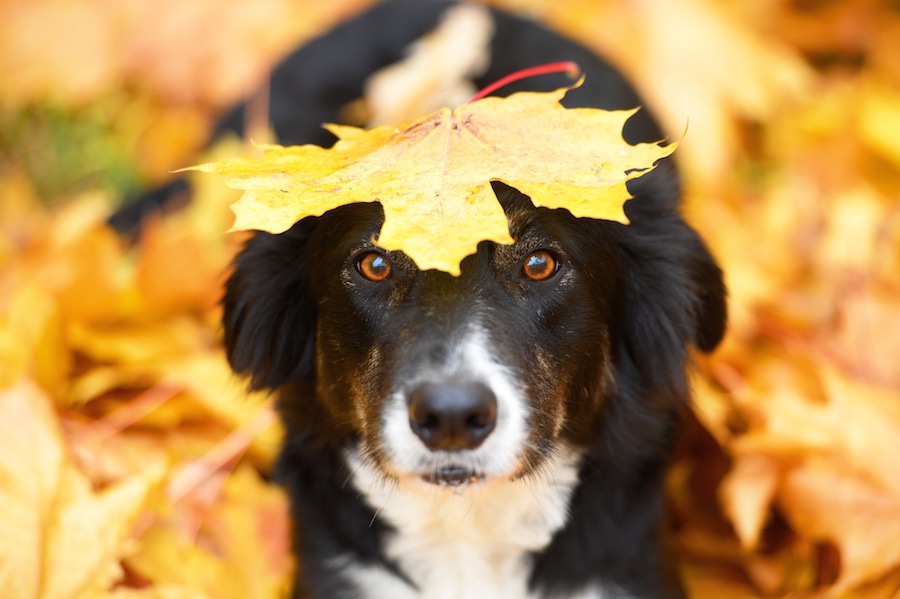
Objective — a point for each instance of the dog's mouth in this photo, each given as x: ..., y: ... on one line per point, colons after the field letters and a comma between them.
x: 452, y: 476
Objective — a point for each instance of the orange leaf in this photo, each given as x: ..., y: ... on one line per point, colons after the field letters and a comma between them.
x: 60, y: 538
x: 747, y: 493
x: 824, y: 501
x: 242, y: 549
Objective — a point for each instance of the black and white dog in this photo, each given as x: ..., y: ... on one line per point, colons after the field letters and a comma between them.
x: 501, y: 434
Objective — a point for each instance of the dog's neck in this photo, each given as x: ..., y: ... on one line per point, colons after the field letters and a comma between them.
x: 471, y: 541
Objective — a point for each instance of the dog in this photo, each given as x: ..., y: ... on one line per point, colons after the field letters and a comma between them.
x: 502, y: 434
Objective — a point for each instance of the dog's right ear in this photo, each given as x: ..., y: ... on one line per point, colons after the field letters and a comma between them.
x: 269, y: 316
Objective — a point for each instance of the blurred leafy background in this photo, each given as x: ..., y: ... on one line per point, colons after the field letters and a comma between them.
x: 132, y: 464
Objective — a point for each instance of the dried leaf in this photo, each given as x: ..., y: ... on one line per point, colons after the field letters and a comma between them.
x: 858, y: 517
x: 166, y: 557
x: 240, y: 551
x: 735, y: 73
x: 433, y: 176
x: 252, y: 509
x: 60, y: 537
x: 857, y: 424
x: 880, y: 114
x: 209, y: 383
x: 177, y: 270
x: 747, y: 493
x: 32, y: 339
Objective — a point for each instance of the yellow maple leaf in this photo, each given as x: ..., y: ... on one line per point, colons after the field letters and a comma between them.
x: 432, y: 176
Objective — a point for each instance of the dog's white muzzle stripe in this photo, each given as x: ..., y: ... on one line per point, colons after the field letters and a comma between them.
x: 499, y: 454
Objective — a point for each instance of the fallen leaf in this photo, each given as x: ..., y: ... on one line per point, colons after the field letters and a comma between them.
x: 177, y: 270
x: 252, y: 509
x: 210, y: 384
x: 880, y: 117
x: 61, y: 539
x: 240, y: 551
x: 856, y: 424
x: 705, y: 580
x: 857, y: 214
x: 858, y: 517
x: 433, y: 176
x: 747, y: 493
x: 859, y: 340
x: 136, y: 343
x: 32, y: 339
x: 78, y: 257
x: 166, y: 557
x: 735, y: 72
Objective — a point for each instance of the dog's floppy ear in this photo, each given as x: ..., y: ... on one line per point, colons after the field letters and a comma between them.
x: 666, y: 245
x: 712, y: 312
x: 269, y: 316
x: 674, y: 296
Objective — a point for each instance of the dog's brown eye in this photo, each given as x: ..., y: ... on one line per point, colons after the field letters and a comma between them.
x: 374, y: 267
x: 539, y: 265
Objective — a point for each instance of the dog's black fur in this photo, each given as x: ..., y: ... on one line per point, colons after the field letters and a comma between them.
x: 601, y: 346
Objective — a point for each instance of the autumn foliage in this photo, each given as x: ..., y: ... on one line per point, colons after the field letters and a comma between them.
x: 432, y: 176
x: 133, y: 464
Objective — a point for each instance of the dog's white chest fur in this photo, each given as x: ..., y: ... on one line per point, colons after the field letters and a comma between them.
x: 474, y: 543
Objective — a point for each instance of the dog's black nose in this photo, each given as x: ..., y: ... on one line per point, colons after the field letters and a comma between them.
x: 452, y: 416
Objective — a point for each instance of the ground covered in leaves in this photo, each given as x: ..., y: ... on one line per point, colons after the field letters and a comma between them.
x: 133, y: 465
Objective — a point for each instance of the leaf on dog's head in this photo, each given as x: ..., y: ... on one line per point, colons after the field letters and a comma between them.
x: 433, y: 176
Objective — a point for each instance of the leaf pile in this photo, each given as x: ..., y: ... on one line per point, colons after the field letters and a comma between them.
x: 132, y: 464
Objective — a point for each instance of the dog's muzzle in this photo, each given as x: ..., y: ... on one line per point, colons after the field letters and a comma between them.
x: 452, y: 417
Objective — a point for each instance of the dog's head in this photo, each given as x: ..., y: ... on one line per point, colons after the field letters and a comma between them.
x: 575, y: 336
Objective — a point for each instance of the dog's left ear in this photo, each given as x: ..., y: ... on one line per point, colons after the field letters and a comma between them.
x: 659, y: 225
x: 269, y: 316
x: 712, y: 311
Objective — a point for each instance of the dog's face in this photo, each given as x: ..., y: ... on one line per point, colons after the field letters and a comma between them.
x: 454, y: 380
